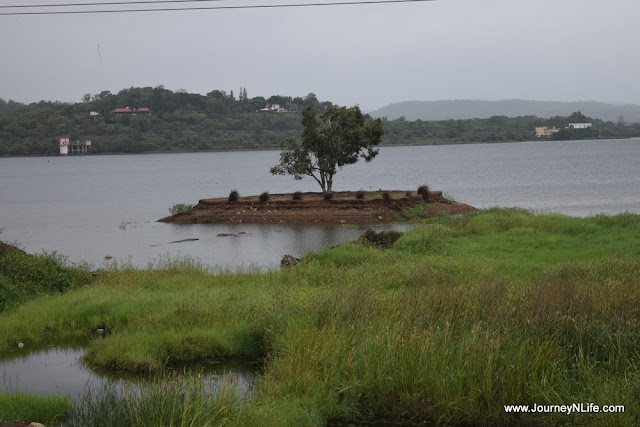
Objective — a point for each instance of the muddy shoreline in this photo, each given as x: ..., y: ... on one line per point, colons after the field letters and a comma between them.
x: 312, y: 208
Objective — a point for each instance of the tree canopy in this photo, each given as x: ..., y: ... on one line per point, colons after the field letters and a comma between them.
x: 181, y: 121
x: 340, y: 136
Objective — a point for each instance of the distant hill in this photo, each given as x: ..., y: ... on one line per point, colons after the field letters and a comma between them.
x: 470, y: 109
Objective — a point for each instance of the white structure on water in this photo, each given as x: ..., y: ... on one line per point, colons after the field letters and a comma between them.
x: 75, y: 147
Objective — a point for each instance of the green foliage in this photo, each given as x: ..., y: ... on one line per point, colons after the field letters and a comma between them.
x: 181, y: 121
x: 360, y: 195
x: 460, y: 317
x: 264, y: 197
x: 181, y: 209
x: 23, y: 276
x: 428, y: 239
x: 339, y: 137
x: 233, y: 196
x: 174, y: 400
x: 25, y: 407
x: 424, y: 191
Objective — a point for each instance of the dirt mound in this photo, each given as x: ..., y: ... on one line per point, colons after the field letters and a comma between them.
x: 342, y: 208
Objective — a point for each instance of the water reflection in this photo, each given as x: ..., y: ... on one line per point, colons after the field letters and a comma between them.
x: 60, y: 370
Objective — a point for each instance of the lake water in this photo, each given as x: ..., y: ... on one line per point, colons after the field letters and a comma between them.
x: 86, y: 207
x: 60, y: 370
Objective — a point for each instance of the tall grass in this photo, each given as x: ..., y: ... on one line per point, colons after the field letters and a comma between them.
x: 169, y: 401
x: 457, y: 319
x: 181, y: 209
x: 25, y: 407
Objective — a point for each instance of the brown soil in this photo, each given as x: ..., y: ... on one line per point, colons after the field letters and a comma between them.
x: 342, y: 208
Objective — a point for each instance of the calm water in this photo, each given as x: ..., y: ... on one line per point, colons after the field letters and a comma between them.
x: 85, y: 207
x: 60, y: 370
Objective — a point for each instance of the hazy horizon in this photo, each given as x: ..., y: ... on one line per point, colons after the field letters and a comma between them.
x: 370, y: 55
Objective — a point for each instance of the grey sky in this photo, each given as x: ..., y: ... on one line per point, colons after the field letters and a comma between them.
x: 368, y: 55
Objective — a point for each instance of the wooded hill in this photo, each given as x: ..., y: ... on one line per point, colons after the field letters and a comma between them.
x: 181, y: 121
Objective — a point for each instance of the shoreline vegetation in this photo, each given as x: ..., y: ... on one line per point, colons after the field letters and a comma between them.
x: 454, y: 320
x: 177, y: 121
x: 340, y: 207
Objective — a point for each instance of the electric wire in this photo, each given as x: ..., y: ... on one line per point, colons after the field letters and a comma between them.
x: 262, y: 6
x: 111, y: 3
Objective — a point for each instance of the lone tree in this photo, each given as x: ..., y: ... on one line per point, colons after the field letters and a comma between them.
x: 340, y: 136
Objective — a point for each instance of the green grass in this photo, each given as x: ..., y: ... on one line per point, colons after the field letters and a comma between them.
x: 23, y: 276
x: 168, y: 401
x: 460, y: 317
x: 180, y: 209
x: 24, y: 407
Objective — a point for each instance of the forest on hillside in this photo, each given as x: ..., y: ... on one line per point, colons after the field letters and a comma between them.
x: 181, y: 121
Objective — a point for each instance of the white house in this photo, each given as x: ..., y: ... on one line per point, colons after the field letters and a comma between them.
x: 579, y: 125
x: 273, y: 108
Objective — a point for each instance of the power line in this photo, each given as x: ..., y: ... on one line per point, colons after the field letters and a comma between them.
x: 16, y: 6
x: 264, y: 6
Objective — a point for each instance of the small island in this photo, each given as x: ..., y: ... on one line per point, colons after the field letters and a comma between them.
x: 360, y: 207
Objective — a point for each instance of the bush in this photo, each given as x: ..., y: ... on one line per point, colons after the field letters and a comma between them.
x: 408, y: 194
x: 386, y: 196
x: 297, y: 195
x: 180, y: 209
x: 23, y: 277
x: 328, y: 195
x: 360, y: 195
x: 264, y: 197
x: 233, y: 196
x: 423, y: 190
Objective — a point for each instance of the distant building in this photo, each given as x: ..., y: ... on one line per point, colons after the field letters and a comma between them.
x: 273, y: 108
x: 131, y: 111
x: 545, y: 131
x: 94, y: 113
x: 579, y: 125
x: 74, y: 147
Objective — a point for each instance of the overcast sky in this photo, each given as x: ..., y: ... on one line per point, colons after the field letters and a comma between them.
x: 566, y: 50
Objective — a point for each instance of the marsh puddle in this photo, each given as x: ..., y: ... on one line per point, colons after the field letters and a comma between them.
x: 60, y: 370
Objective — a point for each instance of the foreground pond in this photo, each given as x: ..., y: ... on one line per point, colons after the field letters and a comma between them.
x: 60, y: 370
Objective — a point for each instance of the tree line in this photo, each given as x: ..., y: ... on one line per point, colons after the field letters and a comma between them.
x: 182, y: 121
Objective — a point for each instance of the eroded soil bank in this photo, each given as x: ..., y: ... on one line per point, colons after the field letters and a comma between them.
x: 343, y: 207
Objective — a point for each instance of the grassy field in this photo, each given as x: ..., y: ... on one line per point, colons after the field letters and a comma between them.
x: 459, y: 318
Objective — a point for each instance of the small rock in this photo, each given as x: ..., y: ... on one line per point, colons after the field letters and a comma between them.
x: 36, y: 425
x: 383, y: 238
x: 289, y: 260
x: 20, y: 345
